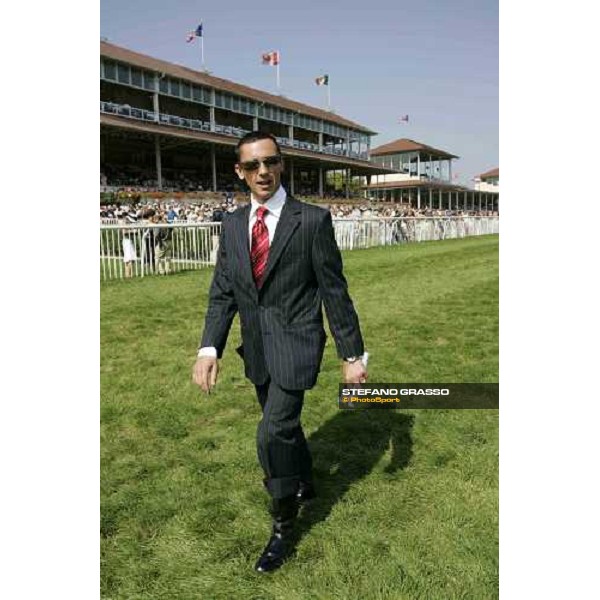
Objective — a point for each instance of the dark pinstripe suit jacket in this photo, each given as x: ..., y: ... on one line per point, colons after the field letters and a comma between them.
x: 282, y: 323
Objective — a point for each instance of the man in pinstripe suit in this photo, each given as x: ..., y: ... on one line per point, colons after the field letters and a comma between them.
x: 278, y: 262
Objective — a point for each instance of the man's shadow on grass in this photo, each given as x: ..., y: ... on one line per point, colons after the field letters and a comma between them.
x: 346, y: 449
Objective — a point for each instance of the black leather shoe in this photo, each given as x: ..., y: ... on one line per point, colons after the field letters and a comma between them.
x: 279, y: 546
x: 274, y: 554
x: 306, y: 492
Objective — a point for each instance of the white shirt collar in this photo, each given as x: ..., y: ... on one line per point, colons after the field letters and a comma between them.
x: 274, y: 203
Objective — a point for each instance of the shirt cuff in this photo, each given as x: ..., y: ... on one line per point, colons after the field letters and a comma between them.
x: 208, y: 351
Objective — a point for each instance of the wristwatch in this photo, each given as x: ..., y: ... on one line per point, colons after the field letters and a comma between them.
x: 352, y: 359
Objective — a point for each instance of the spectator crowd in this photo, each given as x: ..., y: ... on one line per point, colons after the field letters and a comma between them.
x: 213, y: 211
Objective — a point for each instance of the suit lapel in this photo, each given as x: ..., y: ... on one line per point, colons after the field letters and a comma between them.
x: 288, y: 221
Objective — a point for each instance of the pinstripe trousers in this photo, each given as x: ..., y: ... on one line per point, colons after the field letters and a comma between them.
x: 281, y: 445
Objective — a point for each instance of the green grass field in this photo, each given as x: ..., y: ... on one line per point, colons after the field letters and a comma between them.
x: 408, y: 505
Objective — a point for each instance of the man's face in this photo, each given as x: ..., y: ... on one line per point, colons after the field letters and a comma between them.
x: 262, y: 179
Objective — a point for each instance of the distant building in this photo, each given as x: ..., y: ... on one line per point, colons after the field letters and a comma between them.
x: 422, y: 178
x: 488, y: 181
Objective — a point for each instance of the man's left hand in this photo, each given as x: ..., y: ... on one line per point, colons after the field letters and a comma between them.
x: 355, y: 372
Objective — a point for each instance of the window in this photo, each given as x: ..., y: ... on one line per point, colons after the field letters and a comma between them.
x: 235, y: 103
x: 110, y: 71
x: 148, y: 80
x: 185, y: 90
x: 163, y: 85
x: 202, y: 95
x: 136, y: 77
x: 123, y: 74
x: 197, y: 93
x: 174, y: 87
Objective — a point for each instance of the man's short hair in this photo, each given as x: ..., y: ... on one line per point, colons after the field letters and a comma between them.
x: 255, y: 136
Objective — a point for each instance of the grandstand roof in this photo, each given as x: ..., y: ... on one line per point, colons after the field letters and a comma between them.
x: 124, y: 55
x: 406, y: 145
x: 491, y: 173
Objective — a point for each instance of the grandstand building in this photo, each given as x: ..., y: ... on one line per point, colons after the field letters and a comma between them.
x: 165, y: 126
x: 421, y: 176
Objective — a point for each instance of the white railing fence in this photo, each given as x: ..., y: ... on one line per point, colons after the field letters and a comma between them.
x: 147, y: 249
x: 365, y: 233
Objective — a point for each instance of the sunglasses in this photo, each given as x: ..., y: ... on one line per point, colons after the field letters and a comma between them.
x: 253, y: 165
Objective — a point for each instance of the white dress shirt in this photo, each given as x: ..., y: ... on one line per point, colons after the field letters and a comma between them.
x: 274, y: 205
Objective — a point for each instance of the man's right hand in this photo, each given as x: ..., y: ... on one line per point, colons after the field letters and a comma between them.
x: 205, y: 372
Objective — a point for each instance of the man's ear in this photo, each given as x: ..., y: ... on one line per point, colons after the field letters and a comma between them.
x: 239, y: 171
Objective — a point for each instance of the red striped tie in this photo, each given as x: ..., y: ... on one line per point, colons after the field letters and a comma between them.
x: 260, y: 246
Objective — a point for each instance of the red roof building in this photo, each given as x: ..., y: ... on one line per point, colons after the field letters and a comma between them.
x: 422, y: 178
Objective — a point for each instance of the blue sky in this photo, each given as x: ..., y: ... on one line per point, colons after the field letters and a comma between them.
x: 436, y: 61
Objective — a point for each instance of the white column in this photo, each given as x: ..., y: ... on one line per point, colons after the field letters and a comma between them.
x: 419, y: 198
x: 155, y: 104
x: 212, y: 110
x: 156, y: 107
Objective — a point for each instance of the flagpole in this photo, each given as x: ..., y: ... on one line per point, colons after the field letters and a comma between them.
x: 278, y: 87
x: 328, y: 96
x: 202, y: 46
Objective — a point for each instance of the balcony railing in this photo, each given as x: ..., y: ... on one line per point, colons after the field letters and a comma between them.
x: 149, y: 116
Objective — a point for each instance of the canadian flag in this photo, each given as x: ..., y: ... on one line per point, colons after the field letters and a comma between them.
x: 271, y: 58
